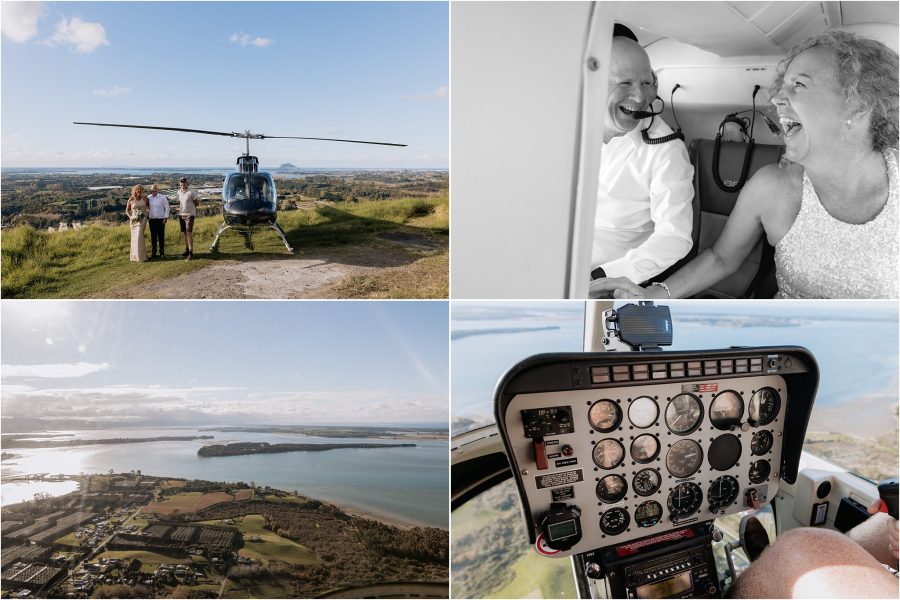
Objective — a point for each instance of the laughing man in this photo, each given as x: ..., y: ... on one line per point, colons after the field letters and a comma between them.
x: 644, y: 216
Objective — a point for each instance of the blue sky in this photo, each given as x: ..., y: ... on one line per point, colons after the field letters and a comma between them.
x: 143, y: 363
x: 369, y: 70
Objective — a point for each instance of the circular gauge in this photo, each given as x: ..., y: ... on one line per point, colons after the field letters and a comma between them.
x: 724, y: 452
x: 605, y: 415
x: 722, y: 492
x: 764, y: 406
x: 761, y: 442
x: 647, y: 514
x: 614, y: 521
x: 684, y: 458
x: 646, y: 482
x: 759, y: 471
x: 684, y: 413
x: 612, y: 488
x: 684, y: 499
x: 644, y: 448
x: 726, y: 410
x: 608, y: 453
x: 643, y: 412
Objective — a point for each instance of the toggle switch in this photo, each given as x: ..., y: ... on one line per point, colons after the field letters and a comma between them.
x: 540, y: 453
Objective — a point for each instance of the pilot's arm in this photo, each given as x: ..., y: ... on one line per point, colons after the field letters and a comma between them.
x: 671, y: 192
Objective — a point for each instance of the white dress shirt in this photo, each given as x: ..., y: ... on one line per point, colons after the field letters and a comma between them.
x: 159, y: 206
x: 644, y: 216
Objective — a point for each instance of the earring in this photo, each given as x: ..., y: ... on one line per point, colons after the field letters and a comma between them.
x: 849, y: 122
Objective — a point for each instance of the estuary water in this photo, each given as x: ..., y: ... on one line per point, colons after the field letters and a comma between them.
x: 857, y: 353
x: 408, y: 484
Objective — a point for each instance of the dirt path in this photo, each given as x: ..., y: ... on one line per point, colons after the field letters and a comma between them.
x: 307, y: 274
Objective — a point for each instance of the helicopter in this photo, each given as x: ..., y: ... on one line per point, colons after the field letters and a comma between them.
x: 248, y: 194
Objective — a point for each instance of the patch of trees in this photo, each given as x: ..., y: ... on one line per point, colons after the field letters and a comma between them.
x: 428, y: 544
x: 378, y: 552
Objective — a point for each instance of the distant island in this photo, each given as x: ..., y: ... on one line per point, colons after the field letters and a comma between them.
x: 23, y: 443
x: 345, y: 431
x: 284, y: 166
x: 241, y: 448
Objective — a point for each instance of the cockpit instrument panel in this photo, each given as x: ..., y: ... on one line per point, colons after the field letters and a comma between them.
x: 637, y: 444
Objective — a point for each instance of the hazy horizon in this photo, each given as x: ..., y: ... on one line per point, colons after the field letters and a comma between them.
x: 83, y: 365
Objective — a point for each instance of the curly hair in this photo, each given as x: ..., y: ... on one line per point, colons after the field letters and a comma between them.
x: 134, y: 189
x: 867, y: 72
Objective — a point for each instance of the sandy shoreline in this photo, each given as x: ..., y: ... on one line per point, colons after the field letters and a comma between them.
x: 375, y: 515
x: 366, y: 514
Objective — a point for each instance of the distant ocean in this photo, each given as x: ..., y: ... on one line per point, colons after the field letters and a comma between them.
x: 408, y: 484
x: 856, y: 356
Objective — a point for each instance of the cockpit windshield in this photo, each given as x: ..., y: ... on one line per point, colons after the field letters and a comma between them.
x: 256, y: 187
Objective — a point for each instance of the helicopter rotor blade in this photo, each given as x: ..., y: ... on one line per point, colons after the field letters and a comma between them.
x: 255, y: 136
x: 292, y: 137
x: 223, y: 133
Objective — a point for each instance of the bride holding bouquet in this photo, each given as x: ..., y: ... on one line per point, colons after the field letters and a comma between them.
x: 137, y: 210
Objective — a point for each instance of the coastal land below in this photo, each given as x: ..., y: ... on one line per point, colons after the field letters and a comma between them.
x: 126, y: 535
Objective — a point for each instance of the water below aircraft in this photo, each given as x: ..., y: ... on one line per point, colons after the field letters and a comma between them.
x: 635, y: 474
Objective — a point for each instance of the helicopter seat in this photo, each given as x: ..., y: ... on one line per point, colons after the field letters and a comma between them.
x: 755, y: 278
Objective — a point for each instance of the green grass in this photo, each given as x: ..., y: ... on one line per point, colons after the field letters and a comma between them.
x: 273, y: 546
x: 94, y: 261
x: 69, y: 540
x: 533, y: 572
x: 151, y: 560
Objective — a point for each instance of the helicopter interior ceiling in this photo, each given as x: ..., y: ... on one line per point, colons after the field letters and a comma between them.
x: 608, y: 448
x: 748, y: 28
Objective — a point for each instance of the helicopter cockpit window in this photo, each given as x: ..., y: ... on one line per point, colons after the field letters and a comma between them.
x: 250, y: 186
x: 853, y: 423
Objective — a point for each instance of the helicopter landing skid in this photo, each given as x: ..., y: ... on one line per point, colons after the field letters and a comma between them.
x: 248, y: 232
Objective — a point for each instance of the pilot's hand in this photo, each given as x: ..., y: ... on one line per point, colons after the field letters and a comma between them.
x: 893, y: 529
x: 617, y: 287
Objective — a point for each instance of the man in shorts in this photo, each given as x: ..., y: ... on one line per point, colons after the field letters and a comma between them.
x: 188, y: 201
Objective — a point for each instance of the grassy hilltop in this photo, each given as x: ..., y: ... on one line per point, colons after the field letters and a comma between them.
x: 93, y: 261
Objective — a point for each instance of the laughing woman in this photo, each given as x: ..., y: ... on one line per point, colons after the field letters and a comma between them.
x: 137, y: 210
x: 830, y: 210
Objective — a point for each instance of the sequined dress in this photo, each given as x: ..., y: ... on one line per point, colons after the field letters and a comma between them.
x: 823, y: 257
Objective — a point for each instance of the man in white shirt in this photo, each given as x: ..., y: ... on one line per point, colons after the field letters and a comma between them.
x: 159, y: 216
x: 187, y: 210
x: 644, y: 216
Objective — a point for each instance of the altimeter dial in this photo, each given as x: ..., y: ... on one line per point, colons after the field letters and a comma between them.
x: 684, y: 499
x: 722, y: 492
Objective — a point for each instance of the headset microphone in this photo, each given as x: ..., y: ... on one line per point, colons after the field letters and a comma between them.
x: 775, y: 129
x: 643, y: 114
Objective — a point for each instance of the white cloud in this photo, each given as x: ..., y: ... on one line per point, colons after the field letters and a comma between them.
x: 18, y: 20
x: 57, y: 370
x: 116, y: 90
x: 438, y: 94
x: 212, y: 403
x: 84, y: 37
x: 246, y: 40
